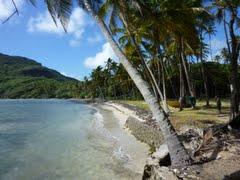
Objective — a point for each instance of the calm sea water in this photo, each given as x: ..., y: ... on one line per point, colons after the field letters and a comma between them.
x: 57, y: 139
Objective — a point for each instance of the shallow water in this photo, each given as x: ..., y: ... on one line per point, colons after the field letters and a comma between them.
x: 60, y: 139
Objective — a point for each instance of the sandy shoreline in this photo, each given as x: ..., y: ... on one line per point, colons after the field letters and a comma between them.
x: 122, y: 113
x: 127, y: 117
x: 137, y: 150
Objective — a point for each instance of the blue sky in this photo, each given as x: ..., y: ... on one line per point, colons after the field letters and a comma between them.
x: 34, y: 35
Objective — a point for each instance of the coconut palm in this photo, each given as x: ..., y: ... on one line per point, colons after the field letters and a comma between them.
x: 205, y: 25
x: 178, y: 20
x: 123, y: 10
x: 61, y: 9
x: 228, y: 14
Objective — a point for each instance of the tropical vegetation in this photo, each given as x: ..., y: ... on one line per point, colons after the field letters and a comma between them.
x: 111, y: 82
x: 157, y: 41
x: 25, y: 78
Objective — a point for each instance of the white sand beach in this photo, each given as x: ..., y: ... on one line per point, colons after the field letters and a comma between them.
x: 115, y: 117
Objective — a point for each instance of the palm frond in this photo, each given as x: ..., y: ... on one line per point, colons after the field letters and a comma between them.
x: 113, y: 20
x: 60, y: 9
x: 103, y: 10
x: 64, y: 12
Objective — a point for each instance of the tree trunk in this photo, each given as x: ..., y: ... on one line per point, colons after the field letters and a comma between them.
x: 234, y: 108
x: 203, y: 71
x: 187, y: 74
x: 182, y: 88
x: 170, y: 81
x: 138, y: 49
x: 154, y: 89
x: 159, y: 73
x: 233, y: 51
x: 163, y: 82
x: 178, y: 154
x: 226, y: 33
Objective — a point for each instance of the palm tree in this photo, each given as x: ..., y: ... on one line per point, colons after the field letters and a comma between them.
x: 183, y: 62
x: 178, y: 18
x: 205, y: 24
x: 61, y: 9
x: 204, y: 70
x: 228, y: 13
x: 121, y: 9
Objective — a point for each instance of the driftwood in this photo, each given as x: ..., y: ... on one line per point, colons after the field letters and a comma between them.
x: 214, y: 140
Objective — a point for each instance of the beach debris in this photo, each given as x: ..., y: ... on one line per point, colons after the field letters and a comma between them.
x: 212, y: 148
x: 152, y: 172
x: 192, y: 138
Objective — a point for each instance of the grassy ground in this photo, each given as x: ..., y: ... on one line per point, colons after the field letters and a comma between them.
x: 201, y: 116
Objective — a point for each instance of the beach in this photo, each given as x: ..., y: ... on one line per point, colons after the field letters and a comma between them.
x: 66, y: 139
x: 134, y: 151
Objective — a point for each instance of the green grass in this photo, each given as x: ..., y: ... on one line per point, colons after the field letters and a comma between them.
x: 201, y: 116
x: 138, y: 103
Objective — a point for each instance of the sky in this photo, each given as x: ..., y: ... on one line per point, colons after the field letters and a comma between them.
x: 34, y: 35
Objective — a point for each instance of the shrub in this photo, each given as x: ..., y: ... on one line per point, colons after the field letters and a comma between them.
x: 173, y: 103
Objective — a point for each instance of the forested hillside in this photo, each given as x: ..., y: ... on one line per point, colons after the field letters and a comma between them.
x: 21, y: 77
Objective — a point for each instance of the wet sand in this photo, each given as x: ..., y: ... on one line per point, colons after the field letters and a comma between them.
x: 130, y: 149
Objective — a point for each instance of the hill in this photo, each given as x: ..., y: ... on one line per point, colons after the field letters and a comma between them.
x: 21, y: 77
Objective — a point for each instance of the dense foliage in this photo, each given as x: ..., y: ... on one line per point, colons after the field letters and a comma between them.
x: 110, y: 82
x: 151, y: 37
x: 113, y: 82
x: 24, y: 78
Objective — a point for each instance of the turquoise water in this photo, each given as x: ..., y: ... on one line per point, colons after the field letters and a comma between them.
x: 56, y: 139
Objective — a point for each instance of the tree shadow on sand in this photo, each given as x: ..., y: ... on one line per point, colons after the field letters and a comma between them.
x: 233, y: 176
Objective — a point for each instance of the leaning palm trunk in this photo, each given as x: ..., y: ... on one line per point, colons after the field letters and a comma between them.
x: 163, y: 83
x: 138, y: 49
x: 178, y: 154
x: 170, y: 82
x: 162, y: 97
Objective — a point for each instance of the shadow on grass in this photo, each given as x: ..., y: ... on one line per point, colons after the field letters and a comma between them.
x: 207, y: 113
x: 206, y: 121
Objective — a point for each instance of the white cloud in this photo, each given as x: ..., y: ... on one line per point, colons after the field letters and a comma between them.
x: 101, y: 57
x: 44, y: 23
x: 7, y: 7
x: 95, y: 39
